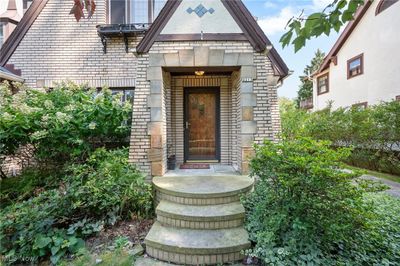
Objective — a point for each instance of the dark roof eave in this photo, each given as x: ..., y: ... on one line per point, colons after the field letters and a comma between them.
x: 19, y: 32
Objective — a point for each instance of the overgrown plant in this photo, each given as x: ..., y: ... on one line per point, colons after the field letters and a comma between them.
x: 63, y: 124
x: 374, y: 132
x: 306, y: 210
x: 93, y: 195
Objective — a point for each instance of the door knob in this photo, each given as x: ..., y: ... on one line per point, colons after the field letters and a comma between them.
x: 187, y: 124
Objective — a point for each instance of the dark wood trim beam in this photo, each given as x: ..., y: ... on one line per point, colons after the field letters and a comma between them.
x: 19, y: 32
x: 202, y: 37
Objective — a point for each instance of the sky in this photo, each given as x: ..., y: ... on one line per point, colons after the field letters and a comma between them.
x: 273, y: 16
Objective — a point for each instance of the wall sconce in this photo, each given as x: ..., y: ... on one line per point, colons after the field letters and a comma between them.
x: 199, y: 73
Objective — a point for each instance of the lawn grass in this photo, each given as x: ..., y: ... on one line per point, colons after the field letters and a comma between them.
x: 394, y: 178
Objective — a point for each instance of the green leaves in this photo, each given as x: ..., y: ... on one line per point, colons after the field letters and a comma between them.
x: 42, y: 241
x: 306, y: 211
x: 64, y: 124
x: 303, y: 28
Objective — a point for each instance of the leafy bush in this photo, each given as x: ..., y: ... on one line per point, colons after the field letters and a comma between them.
x: 95, y: 194
x: 374, y: 132
x: 62, y: 124
x: 305, y: 210
x: 29, y: 183
x: 107, y: 183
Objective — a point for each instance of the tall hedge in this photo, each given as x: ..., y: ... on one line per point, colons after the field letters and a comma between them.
x: 373, y: 132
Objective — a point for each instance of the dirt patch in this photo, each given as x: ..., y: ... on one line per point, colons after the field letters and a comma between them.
x: 135, y: 230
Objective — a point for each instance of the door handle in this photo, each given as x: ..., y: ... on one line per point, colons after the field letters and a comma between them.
x: 187, y: 125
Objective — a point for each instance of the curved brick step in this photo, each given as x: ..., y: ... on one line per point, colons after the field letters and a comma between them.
x: 196, y: 247
x: 202, y: 190
x: 200, y: 217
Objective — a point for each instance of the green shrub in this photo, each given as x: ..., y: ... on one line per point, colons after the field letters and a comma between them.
x: 107, y: 183
x: 95, y: 194
x: 28, y: 184
x: 63, y: 124
x: 305, y: 210
x: 373, y: 132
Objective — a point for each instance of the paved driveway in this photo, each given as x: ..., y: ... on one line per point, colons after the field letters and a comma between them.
x: 394, y: 186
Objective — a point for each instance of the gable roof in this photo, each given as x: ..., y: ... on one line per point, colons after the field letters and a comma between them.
x: 19, y: 32
x: 236, y: 8
x: 344, y: 36
x: 252, y: 31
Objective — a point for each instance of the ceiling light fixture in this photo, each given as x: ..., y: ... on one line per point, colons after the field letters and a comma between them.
x: 199, y: 73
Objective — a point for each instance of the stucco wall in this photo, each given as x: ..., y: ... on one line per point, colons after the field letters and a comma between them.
x: 379, y: 39
x: 220, y: 21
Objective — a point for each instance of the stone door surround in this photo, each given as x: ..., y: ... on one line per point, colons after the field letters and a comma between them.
x: 198, y: 57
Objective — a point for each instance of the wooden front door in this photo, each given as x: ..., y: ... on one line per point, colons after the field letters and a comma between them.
x: 202, y: 124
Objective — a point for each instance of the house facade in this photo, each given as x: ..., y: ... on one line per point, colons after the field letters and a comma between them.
x: 203, y: 74
x: 361, y: 68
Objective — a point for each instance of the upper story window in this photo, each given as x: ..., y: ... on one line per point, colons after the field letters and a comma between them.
x: 383, y: 5
x: 355, y: 66
x: 133, y: 11
x: 323, y: 84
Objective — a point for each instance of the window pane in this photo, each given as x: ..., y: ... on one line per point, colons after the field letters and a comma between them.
x: 158, y: 5
x: 323, y: 84
x: 139, y: 11
x: 355, y: 63
x: 117, y: 11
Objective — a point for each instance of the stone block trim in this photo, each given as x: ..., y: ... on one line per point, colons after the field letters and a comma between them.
x: 253, y: 106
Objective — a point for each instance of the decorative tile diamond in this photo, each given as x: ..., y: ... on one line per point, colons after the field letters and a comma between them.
x: 200, y: 10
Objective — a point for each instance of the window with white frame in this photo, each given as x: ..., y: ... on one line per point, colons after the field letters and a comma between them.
x: 134, y: 11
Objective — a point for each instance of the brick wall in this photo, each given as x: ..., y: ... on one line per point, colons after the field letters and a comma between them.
x: 57, y: 48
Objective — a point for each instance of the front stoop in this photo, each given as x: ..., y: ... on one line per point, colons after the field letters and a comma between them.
x: 199, y: 220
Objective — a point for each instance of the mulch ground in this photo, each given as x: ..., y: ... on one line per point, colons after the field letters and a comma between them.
x: 135, y: 230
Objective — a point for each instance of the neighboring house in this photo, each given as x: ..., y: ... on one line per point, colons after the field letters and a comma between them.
x: 11, y: 12
x: 204, y: 74
x: 362, y: 67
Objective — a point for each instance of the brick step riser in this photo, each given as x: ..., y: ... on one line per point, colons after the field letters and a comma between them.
x: 182, y: 223
x: 192, y: 259
x: 196, y: 201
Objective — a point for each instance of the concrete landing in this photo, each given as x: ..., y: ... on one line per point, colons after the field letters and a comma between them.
x: 215, y: 170
x: 203, y: 186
